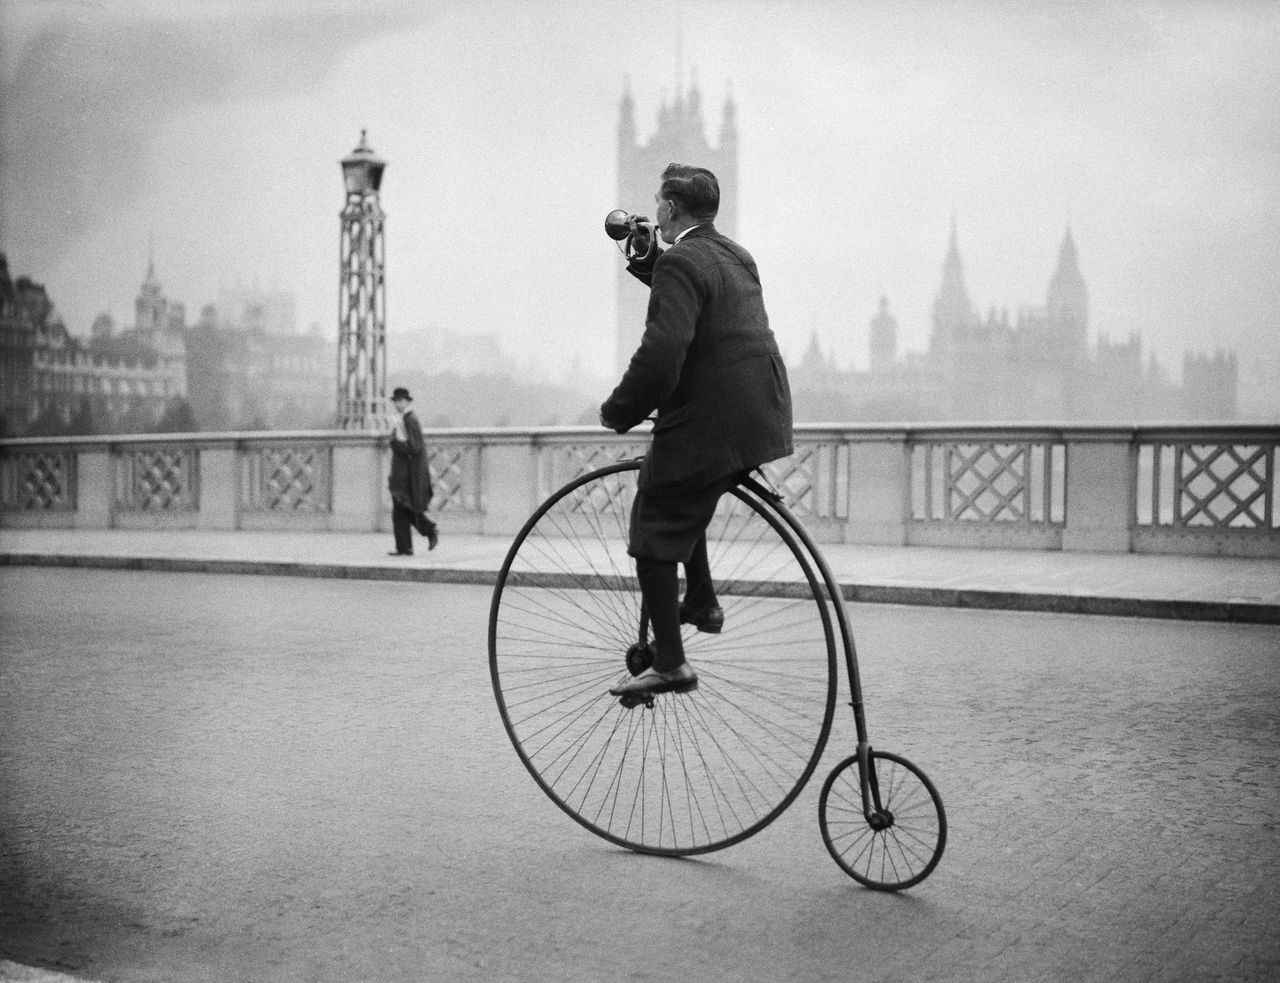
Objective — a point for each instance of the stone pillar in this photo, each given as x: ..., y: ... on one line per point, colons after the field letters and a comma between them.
x: 1098, y: 495
x: 219, y: 488
x: 878, y: 492
x: 95, y: 488
x: 357, y: 483
x: 509, y: 487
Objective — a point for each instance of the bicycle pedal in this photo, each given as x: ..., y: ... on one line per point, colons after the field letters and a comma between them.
x: 633, y: 701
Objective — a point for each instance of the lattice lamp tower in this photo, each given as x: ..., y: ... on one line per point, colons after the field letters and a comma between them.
x: 362, y: 324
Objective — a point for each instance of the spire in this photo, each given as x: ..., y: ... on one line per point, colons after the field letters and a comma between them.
x: 813, y: 360
x: 693, y: 113
x: 680, y: 126
x: 883, y: 344
x: 952, y: 311
x: 953, y: 288
x: 1067, y: 300
x: 1068, y: 259
x: 7, y: 293
x: 729, y: 126
x: 626, y: 115
x: 679, y: 54
x: 150, y: 306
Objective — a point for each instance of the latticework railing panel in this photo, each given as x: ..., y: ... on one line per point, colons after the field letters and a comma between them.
x: 814, y: 480
x: 287, y: 478
x: 611, y: 496
x: 562, y: 462
x: 455, y: 477
x: 157, y: 479
x: 1206, y: 486
x: 41, y: 480
x: 1017, y: 482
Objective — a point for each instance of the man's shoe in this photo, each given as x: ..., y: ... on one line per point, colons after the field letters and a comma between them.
x: 401, y: 553
x: 681, y: 679
x: 709, y: 619
x: 433, y: 537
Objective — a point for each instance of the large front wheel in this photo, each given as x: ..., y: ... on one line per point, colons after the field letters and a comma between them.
x: 695, y: 771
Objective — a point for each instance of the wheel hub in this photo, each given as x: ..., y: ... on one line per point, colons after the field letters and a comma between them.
x: 640, y: 657
x: 882, y: 819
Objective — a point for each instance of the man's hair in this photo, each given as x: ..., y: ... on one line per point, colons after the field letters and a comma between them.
x: 695, y: 189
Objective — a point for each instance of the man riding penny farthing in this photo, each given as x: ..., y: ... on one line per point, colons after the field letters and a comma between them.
x: 587, y: 652
x: 709, y: 367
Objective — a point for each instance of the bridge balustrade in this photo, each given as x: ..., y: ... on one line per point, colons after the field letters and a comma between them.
x: 1203, y: 489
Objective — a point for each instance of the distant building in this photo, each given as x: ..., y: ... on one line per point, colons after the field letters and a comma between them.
x: 679, y: 138
x: 883, y: 345
x: 435, y: 350
x: 224, y: 372
x: 54, y: 382
x: 1037, y: 367
x: 18, y: 322
x: 253, y: 308
x: 1210, y: 385
x: 249, y: 368
x: 251, y: 380
x: 1259, y: 394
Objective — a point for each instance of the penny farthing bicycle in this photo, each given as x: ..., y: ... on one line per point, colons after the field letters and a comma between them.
x: 688, y: 773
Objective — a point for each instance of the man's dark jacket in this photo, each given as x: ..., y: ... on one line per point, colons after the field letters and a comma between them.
x: 708, y: 364
x: 410, y: 481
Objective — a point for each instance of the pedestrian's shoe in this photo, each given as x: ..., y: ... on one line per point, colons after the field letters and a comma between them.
x: 681, y: 679
x: 426, y: 527
x: 709, y: 619
x: 401, y: 553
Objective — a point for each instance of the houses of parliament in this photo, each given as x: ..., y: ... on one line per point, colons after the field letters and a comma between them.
x: 1039, y: 366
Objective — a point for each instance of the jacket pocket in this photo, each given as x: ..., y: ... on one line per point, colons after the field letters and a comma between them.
x: 781, y: 384
x: 677, y: 456
x: 675, y: 418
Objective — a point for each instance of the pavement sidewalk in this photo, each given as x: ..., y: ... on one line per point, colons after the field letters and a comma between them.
x: 1125, y: 584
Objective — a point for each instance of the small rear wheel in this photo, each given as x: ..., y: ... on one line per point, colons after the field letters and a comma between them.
x: 891, y: 847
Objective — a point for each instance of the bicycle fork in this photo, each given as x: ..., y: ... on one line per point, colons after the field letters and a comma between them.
x: 877, y: 816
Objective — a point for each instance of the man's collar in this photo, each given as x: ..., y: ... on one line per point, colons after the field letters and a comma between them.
x: 700, y: 225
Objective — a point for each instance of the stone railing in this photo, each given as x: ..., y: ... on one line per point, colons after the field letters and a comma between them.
x: 1187, y: 489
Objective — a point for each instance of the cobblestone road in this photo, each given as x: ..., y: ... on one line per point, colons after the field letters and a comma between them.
x: 237, y: 778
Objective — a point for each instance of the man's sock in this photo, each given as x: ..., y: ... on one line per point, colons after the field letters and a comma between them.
x: 699, y: 592
x: 660, y: 588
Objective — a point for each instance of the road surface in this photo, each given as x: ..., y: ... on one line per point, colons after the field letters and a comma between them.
x: 212, y: 777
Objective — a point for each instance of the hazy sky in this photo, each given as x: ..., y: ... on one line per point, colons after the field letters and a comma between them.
x: 215, y: 129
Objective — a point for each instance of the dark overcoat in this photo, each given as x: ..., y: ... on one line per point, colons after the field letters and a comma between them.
x: 410, y: 481
x: 708, y: 364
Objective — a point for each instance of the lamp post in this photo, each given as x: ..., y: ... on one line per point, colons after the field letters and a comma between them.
x: 362, y: 324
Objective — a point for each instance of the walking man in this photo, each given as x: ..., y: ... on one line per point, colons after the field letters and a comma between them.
x: 410, y: 480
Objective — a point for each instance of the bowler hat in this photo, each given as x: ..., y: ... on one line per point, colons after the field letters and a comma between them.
x: 401, y: 393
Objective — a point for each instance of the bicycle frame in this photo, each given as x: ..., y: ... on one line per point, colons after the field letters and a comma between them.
x: 887, y: 839
x: 871, y: 804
